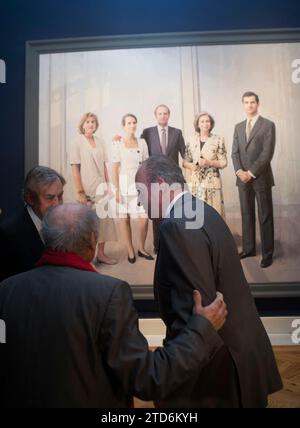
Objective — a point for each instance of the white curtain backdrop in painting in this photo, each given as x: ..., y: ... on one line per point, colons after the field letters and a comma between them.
x: 187, y: 79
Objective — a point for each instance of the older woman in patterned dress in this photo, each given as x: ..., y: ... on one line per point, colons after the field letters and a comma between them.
x: 205, y: 155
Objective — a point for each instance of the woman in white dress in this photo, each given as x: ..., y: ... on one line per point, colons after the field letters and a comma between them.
x: 89, y: 171
x: 127, y: 155
x: 205, y: 156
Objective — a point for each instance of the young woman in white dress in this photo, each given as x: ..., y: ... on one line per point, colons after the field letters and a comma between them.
x: 127, y: 155
x: 89, y: 171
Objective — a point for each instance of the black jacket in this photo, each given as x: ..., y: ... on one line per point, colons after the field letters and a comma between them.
x: 175, y: 144
x: 20, y: 245
x: 206, y: 259
x: 73, y: 341
x: 256, y: 154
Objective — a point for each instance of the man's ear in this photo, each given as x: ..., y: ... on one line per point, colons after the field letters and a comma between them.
x: 30, y: 200
x: 91, y: 248
x: 34, y: 204
x: 93, y: 241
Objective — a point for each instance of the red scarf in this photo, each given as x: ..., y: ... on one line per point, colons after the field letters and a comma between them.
x: 60, y: 258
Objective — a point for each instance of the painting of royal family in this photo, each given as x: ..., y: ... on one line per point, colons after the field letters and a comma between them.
x: 232, y: 133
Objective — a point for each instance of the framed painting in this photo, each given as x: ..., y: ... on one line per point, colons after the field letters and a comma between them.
x: 188, y: 72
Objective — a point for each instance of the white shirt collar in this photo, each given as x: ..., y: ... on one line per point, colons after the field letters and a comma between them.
x: 160, y: 128
x: 36, y: 220
x: 172, y: 203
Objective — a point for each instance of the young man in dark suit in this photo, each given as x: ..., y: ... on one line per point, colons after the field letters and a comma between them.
x: 72, y: 333
x: 252, y: 152
x: 21, y: 241
x: 197, y: 251
x: 163, y: 139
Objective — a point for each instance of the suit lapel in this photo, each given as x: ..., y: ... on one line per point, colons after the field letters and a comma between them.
x: 33, y: 239
x: 243, y: 131
x: 156, y: 139
x: 170, y: 140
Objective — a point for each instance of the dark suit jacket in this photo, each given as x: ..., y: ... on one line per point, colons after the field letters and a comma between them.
x: 256, y: 154
x: 20, y: 245
x: 73, y: 341
x: 206, y: 259
x: 175, y: 144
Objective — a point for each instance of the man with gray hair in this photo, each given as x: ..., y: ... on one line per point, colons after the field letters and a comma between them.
x: 72, y: 333
x: 20, y: 237
x: 197, y: 251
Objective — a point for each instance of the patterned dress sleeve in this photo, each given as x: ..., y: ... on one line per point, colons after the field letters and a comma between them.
x: 221, y: 153
x: 188, y: 157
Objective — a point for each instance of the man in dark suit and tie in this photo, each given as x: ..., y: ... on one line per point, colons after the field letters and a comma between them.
x: 21, y: 241
x: 252, y: 152
x: 197, y: 251
x: 163, y: 140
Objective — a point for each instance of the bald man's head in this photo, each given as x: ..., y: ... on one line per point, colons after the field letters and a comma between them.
x: 71, y: 228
